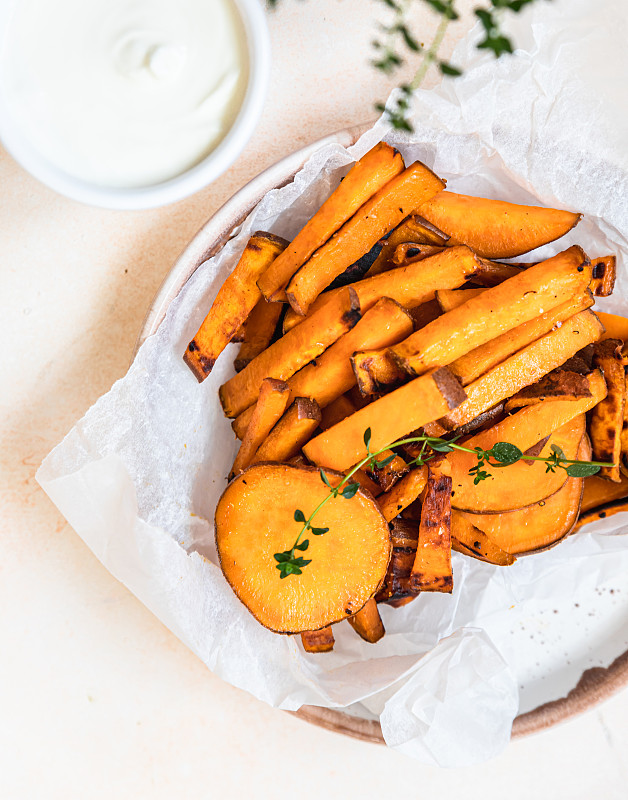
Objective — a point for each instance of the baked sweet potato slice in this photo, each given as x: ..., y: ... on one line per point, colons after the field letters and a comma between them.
x: 403, y: 493
x: 525, y: 366
x: 604, y: 273
x: 467, y: 539
x: 367, y: 623
x: 292, y: 431
x: 293, y: 351
x: 404, y: 536
x: 321, y: 641
x: 375, y: 372
x: 258, y: 332
x: 601, y: 512
x: 599, y: 492
x: 431, y: 571
x: 255, y: 520
x: 494, y: 228
x: 410, y: 286
x: 234, y: 302
x: 607, y: 418
x: 615, y: 326
x: 368, y: 175
x: 561, y: 384
x: 379, y: 215
x: 539, y: 525
x: 271, y: 404
x: 330, y: 375
x: 389, y: 418
x: 520, y: 484
x: 497, y: 310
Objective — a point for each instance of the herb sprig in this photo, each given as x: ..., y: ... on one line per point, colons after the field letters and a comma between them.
x: 396, y: 42
x: 501, y: 454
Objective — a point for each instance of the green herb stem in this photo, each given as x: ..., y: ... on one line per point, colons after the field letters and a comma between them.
x: 431, y: 54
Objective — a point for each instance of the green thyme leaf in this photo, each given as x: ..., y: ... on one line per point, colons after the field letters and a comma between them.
x: 282, y: 557
x: 299, y: 516
x: 301, y: 562
x: 441, y: 446
x: 350, y: 490
x: 448, y: 69
x: 367, y: 438
x: 324, y: 478
x: 506, y: 453
x: 303, y: 545
x: 384, y: 462
x: 582, y: 470
x: 319, y: 531
x: 558, y: 451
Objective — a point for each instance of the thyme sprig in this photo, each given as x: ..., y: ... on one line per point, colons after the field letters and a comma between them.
x: 501, y: 454
x: 396, y: 42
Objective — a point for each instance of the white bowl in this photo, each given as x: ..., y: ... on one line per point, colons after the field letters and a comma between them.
x: 188, y: 182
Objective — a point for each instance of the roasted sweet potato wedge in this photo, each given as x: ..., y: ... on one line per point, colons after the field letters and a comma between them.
x: 539, y: 525
x: 271, y: 403
x: 291, y: 432
x: 431, y: 571
x: 258, y: 332
x: 321, y: 641
x: 496, y: 311
x: 561, y: 384
x: 379, y: 215
x: 404, y: 535
x: 410, y: 286
x: 367, y: 623
x: 494, y: 228
x: 521, y: 484
x: 293, y: 351
x: 255, y: 520
x: 607, y: 418
x: 233, y: 304
x: 467, y: 539
x: 392, y: 416
x: 604, y: 272
x: 373, y: 171
x: 524, y: 366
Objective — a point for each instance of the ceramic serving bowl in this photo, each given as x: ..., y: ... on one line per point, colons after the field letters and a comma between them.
x: 188, y: 182
x: 595, y: 684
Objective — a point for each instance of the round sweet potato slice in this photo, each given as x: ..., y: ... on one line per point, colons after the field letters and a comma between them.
x: 255, y: 520
x: 516, y: 486
x: 540, y: 525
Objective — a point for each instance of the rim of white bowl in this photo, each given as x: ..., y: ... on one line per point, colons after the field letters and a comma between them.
x: 199, y: 176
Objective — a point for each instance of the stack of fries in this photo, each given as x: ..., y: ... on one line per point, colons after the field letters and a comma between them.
x: 393, y: 312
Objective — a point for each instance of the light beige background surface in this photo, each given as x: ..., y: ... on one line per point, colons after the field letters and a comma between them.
x: 97, y: 698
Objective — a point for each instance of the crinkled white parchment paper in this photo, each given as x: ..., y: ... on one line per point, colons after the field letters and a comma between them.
x: 139, y: 476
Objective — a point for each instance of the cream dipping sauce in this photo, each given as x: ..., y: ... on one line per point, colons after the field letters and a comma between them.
x: 124, y: 93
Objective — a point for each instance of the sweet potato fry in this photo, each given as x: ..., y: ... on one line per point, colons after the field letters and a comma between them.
x: 331, y: 375
x: 475, y: 363
x: 448, y: 299
x: 233, y: 304
x: 374, y: 219
x: 607, y: 418
x: 494, y: 228
x: 337, y: 410
x: 321, y: 641
x: 496, y: 311
x: 367, y: 623
x: 255, y: 520
x: 599, y: 492
x: 526, y: 366
x: 521, y: 484
x: 404, y: 536
x: 272, y: 402
x: 467, y: 539
x: 392, y: 416
x: 410, y: 253
x: 387, y: 476
x: 616, y: 327
x: 259, y: 330
x: 376, y: 372
x: 373, y: 171
x: 604, y: 272
x: 410, y: 286
x: 539, y: 525
x: 601, y: 512
x: 403, y: 493
x: 411, y: 230
x: 238, y: 336
x: 561, y: 384
x: 431, y: 571
x: 288, y: 354
x: 425, y: 313
x: 293, y: 430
